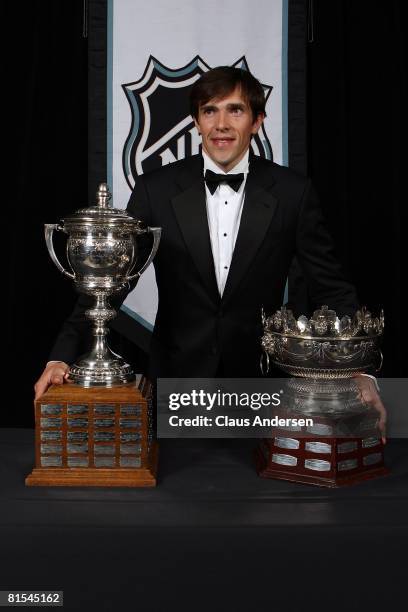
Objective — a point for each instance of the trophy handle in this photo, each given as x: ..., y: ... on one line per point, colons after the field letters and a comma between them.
x: 49, y: 230
x: 264, y: 370
x: 156, y: 231
x: 381, y: 361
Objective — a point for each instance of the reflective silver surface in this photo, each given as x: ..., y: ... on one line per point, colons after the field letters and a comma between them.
x: 347, y: 447
x: 130, y: 462
x: 102, y: 251
x: 324, y: 346
x: 53, y: 409
x: 105, y: 449
x: 286, y: 443
x: 319, y: 465
x: 370, y: 442
x: 104, y: 462
x: 372, y: 459
x: 53, y: 461
x: 104, y: 409
x: 79, y: 409
x: 347, y: 464
x: 284, y: 459
x: 318, y: 447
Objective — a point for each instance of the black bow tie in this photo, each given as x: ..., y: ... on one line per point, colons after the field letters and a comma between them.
x: 213, y: 180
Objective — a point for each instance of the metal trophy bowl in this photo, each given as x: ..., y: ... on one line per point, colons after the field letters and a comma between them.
x: 102, y: 251
x: 323, y: 355
x: 324, y: 346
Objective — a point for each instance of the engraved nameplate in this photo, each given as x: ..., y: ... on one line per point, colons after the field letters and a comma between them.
x: 104, y: 449
x: 104, y: 422
x: 371, y: 459
x: 347, y: 447
x: 54, y: 461
x: 48, y: 436
x: 104, y: 409
x: 103, y: 436
x: 370, y: 442
x: 51, y: 448
x: 318, y: 447
x: 319, y: 465
x: 77, y: 409
x: 284, y: 459
x: 77, y: 448
x: 130, y: 462
x: 286, y: 443
x: 53, y: 409
x: 57, y: 422
x: 347, y: 464
x: 77, y: 436
x: 104, y: 461
x: 320, y: 429
x: 130, y: 423
x: 130, y: 449
x: 130, y: 436
x: 77, y: 462
x: 129, y: 410
x: 77, y: 423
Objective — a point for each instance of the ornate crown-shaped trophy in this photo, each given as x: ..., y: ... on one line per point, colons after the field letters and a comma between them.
x: 323, y: 346
x: 323, y: 355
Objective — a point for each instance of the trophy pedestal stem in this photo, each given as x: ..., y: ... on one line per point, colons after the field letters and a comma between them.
x: 101, y: 437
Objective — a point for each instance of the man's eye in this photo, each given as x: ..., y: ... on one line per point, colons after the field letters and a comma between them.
x: 208, y: 111
x: 236, y: 111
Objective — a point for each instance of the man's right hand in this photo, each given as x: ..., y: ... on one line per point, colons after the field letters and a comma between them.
x: 55, y: 373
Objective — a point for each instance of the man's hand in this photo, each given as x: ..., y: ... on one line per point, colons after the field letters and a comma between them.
x: 369, y: 395
x: 55, y: 373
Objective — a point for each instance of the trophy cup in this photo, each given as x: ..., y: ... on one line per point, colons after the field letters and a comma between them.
x: 98, y: 431
x: 323, y: 355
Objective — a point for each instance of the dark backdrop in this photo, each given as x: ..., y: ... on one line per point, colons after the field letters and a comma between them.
x: 355, y: 122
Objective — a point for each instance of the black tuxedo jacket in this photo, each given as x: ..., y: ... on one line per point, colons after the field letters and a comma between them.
x: 197, y: 332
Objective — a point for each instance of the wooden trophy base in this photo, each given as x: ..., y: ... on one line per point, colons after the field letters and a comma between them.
x: 95, y: 437
x: 337, y: 467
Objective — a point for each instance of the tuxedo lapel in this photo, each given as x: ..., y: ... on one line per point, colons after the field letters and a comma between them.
x: 258, y: 210
x: 191, y: 212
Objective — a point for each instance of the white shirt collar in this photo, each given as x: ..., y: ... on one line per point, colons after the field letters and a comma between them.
x: 241, y: 166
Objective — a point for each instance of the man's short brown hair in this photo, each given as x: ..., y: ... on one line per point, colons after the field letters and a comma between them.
x: 221, y: 81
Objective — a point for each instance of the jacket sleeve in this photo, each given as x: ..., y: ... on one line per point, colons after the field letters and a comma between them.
x: 75, y: 336
x: 315, y: 250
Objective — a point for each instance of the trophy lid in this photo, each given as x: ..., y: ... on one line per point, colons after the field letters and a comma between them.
x: 101, y: 213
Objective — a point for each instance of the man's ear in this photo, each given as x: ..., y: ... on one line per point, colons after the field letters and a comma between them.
x: 257, y: 123
x: 197, y: 126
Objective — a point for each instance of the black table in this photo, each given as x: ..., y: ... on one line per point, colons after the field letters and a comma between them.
x: 212, y: 536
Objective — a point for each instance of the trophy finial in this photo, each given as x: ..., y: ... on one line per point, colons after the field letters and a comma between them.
x: 104, y: 196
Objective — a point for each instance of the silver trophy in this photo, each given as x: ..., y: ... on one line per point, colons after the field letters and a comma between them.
x: 102, y: 252
x: 323, y: 355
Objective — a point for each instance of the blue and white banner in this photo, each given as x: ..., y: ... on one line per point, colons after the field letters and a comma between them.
x: 156, y: 51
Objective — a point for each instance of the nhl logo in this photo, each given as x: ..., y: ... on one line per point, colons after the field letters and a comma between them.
x: 162, y: 130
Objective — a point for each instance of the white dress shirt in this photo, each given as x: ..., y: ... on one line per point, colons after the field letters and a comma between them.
x: 224, y: 209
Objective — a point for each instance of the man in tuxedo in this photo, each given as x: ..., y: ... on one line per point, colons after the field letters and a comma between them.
x: 231, y: 224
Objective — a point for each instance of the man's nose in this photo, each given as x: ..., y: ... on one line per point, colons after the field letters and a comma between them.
x: 222, y: 121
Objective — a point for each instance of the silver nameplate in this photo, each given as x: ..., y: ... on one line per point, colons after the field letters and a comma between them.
x: 104, y: 462
x: 77, y: 461
x: 53, y: 409
x: 130, y: 462
x: 104, y: 449
x: 51, y: 461
x: 77, y: 409
x: 51, y: 435
x: 319, y: 465
x: 104, y: 422
x: 347, y: 447
x: 130, y: 423
x: 320, y: 429
x: 286, y: 443
x: 104, y: 436
x: 77, y: 448
x: 77, y: 423
x: 51, y: 448
x: 104, y: 409
x: 57, y: 422
x: 370, y: 442
x: 318, y: 447
x: 130, y: 436
x: 284, y: 459
x: 347, y: 464
x: 371, y: 459
x: 130, y: 410
x: 130, y: 449
x: 77, y: 436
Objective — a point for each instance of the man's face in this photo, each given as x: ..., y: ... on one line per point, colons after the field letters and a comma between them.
x: 226, y: 126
